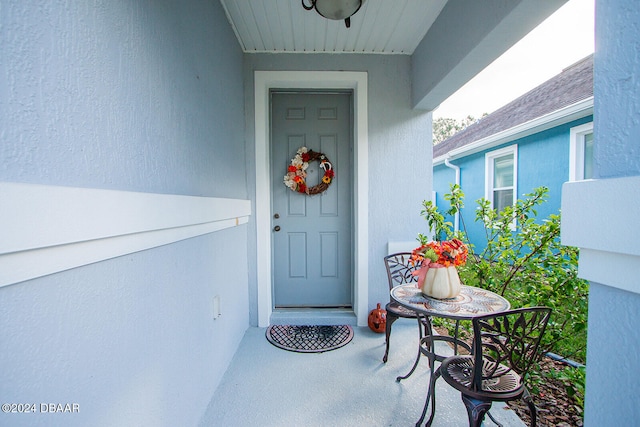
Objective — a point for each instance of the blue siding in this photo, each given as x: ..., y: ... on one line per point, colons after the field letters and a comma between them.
x: 442, y: 178
x: 543, y: 160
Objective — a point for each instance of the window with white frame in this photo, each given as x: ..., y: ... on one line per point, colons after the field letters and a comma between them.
x: 501, y: 177
x: 581, y: 152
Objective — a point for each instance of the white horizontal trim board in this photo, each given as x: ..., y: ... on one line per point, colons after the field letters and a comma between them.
x: 599, y: 217
x: 47, y: 229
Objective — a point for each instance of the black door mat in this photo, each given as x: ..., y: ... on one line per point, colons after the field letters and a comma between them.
x: 309, y: 339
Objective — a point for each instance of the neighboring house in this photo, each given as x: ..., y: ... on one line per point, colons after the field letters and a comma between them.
x: 543, y: 138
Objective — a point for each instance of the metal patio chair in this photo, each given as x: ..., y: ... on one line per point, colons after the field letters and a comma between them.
x: 399, y: 272
x: 505, y: 345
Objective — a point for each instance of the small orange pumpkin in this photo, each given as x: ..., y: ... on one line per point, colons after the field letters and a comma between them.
x: 378, y: 319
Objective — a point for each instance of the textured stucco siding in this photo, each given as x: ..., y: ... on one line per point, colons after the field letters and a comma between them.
x: 127, y: 96
x: 614, y: 337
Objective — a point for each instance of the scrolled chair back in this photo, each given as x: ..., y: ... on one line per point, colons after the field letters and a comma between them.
x: 400, y: 269
x: 506, y: 341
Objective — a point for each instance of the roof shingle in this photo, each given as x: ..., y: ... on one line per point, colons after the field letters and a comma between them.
x: 573, y: 84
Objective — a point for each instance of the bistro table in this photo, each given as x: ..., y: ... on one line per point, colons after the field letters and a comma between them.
x: 470, y: 303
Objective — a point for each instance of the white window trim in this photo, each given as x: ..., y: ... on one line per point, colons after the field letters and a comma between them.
x: 488, y: 171
x: 576, y: 150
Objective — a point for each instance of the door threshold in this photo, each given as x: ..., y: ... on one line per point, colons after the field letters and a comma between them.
x: 313, y: 316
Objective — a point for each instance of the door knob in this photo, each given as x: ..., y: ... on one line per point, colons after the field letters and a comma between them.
x: 276, y: 228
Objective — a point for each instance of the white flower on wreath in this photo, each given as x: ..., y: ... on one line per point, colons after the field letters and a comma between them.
x: 325, y: 165
x: 289, y: 183
x: 297, y: 161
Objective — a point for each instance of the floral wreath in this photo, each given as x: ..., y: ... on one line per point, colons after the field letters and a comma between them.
x: 296, y: 173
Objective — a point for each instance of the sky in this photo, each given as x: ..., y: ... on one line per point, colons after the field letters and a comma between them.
x: 563, y: 39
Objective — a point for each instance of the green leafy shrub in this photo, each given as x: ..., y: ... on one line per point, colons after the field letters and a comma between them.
x: 524, y: 261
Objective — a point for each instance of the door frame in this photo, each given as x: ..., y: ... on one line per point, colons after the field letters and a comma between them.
x: 264, y: 81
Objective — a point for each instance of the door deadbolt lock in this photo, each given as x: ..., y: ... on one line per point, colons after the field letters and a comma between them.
x: 276, y: 216
x: 276, y: 228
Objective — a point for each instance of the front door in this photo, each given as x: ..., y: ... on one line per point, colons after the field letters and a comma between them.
x: 312, y: 237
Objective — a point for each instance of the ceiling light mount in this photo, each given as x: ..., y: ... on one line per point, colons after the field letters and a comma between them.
x: 335, y: 9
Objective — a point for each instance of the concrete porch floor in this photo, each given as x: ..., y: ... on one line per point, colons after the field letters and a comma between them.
x: 350, y: 386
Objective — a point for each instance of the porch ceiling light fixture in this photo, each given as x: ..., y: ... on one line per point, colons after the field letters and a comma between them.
x: 335, y: 9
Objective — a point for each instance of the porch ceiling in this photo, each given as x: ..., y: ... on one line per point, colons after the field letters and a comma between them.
x: 450, y: 41
x: 380, y: 26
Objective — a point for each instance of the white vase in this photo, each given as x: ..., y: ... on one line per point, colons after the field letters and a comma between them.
x: 441, y: 283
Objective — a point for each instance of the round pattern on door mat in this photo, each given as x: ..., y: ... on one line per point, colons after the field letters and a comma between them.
x: 309, y: 339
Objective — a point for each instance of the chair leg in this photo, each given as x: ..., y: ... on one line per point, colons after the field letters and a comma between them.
x: 415, y: 364
x: 493, y: 419
x: 532, y: 407
x: 432, y: 388
x: 476, y: 409
x: 387, y: 331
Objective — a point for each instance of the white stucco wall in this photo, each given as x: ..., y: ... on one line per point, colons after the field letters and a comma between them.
x: 399, y: 141
x: 142, y: 97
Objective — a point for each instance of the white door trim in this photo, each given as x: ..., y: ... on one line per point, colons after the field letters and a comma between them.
x: 357, y: 81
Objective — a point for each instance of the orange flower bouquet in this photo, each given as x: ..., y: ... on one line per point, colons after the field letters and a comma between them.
x: 438, y: 277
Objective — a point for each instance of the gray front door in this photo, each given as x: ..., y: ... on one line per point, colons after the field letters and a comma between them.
x: 312, y: 249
